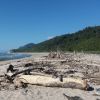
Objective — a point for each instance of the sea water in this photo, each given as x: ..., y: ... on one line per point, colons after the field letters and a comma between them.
x: 10, y: 56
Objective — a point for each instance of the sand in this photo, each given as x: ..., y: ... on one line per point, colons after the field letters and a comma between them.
x: 44, y: 93
x: 33, y: 92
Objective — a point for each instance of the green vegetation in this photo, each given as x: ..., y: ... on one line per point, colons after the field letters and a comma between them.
x: 87, y: 39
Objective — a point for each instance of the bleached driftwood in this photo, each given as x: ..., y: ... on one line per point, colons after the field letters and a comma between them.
x: 52, y: 82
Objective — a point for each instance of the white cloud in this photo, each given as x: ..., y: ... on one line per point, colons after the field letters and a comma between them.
x: 50, y: 37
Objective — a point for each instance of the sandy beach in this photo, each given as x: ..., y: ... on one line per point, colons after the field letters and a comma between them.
x: 34, y: 92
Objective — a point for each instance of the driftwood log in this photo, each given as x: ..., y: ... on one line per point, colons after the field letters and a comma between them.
x: 11, y: 76
x: 51, y: 82
x: 72, y: 98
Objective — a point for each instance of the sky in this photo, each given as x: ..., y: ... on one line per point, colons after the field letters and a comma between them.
x: 33, y: 21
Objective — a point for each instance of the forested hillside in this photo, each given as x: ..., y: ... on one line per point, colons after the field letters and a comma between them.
x: 87, y: 39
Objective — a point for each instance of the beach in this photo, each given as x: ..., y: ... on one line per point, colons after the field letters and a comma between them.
x: 56, y: 93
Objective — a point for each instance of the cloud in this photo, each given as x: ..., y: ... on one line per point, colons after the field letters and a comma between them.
x: 50, y: 37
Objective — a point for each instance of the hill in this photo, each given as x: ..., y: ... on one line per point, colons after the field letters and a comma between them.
x: 87, y: 39
x: 24, y: 48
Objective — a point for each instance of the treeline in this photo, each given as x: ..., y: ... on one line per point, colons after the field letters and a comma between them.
x: 87, y: 39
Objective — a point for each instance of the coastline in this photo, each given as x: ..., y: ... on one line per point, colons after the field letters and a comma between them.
x: 31, y: 57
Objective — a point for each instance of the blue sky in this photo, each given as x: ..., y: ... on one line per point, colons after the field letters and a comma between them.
x: 25, y: 21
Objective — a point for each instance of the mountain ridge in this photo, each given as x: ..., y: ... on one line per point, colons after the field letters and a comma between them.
x: 87, y: 39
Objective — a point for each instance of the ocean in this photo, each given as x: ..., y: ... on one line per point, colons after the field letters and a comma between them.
x: 10, y: 56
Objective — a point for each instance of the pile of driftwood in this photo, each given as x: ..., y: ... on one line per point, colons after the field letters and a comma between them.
x: 40, y: 76
x: 58, y: 55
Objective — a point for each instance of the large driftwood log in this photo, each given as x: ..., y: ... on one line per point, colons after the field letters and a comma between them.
x: 52, y: 82
x: 11, y: 76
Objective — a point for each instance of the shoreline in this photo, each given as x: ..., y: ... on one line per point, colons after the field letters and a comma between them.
x: 31, y: 57
x: 38, y: 55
